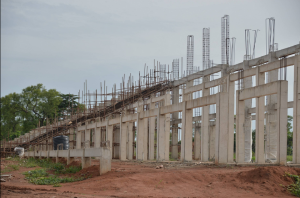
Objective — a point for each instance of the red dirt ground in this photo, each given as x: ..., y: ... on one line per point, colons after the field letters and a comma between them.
x: 133, y: 179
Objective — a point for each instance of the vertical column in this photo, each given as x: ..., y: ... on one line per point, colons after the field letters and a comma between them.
x: 187, y: 133
x: 282, y: 97
x: 167, y: 101
x: 71, y: 138
x: 140, y: 138
x: 260, y: 121
x: 130, y: 140
x: 116, y: 139
x: 240, y: 135
x: 160, y: 154
x: 296, y: 112
x: 87, y: 136
x: 78, y: 140
x: 221, y: 138
x: 248, y: 129
x: 231, y: 87
x: 109, y: 136
x: 97, y: 139
x: 145, y: 138
x: 205, y: 125
x: 123, y: 131
x: 151, y: 131
x: 212, y: 135
x: 175, y: 100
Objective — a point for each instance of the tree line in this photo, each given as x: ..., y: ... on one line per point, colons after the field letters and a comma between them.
x: 34, y: 106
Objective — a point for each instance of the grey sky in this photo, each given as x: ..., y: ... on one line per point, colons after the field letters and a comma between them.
x: 61, y: 43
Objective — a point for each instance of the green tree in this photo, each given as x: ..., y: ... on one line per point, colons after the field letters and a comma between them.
x: 22, y: 112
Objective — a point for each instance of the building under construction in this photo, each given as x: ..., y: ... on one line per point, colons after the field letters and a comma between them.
x: 189, y: 113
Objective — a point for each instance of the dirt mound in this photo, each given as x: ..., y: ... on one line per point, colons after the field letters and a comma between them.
x: 74, y: 163
x: 89, y: 172
x: 269, y: 178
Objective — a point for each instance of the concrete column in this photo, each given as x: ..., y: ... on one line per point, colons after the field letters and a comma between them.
x: 123, y: 130
x: 78, y: 140
x: 240, y: 135
x: 260, y: 121
x: 231, y: 89
x: 271, y: 122
x: 109, y: 136
x: 87, y: 136
x: 187, y: 133
x: 222, y: 127
x: 296, y: 112
x: 97, y: 139
x: 247, y: 126
x: 282, y: 97
x: 145, y: 138
x: 175, y: 100
x: 212, y: 135
x: 167, y: 101
x: 160, y: 154
x: 71, y: 138
x: 116, y: 139
x: 130, y: 140
x: 151, y: 132
x: 205, y: 127
x: 140, y: 137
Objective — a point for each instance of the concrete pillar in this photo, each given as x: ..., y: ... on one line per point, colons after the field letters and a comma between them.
x: 116, y: 139
x: 140, y: 137
x: 240, y: 135
x: 130, y: 140
x: 205, y: 127
x: 145, y: 138
x: 282, y: 91
x: 167, y: 102
x: 85, y: 162
x: 296, y: 112
x: 271, y: 122
x: 260, y: 121
x: 87, y: 137
x: 123, y: 130
x: 231, y: 89
x: 78, y: 140
x: 247, y: 127
x: 97, y: 138
x: 197, y: 141
x: 212, y: 135
x: 105, y: 161
x: 151, y: 132
x: 109, y: 136
x: 71, y: 138
x: 187, y: 132
x: 175, y: 100
x: 160, y: 154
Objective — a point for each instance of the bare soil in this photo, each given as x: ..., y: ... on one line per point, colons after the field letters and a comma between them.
x: 136, y: 179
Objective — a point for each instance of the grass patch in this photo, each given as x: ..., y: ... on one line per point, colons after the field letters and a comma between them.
x: 14, y: 167
x: 294, y: 188
x: 41, y: 177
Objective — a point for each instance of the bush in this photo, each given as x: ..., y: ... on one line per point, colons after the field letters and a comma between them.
x: 295, y: 187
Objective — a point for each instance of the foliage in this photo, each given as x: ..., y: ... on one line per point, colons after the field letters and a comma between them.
x: 295, y: 187
x: 290, y: 136
x: 22, y: 112
x: 41, y: 177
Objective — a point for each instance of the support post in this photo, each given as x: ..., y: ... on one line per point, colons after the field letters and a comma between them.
x: 187, y: 132
x: 296, y: 112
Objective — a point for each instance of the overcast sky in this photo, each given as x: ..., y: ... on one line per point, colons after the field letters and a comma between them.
x: 61, y: 43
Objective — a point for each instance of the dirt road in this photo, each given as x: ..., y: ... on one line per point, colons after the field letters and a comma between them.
x: 133, y: 179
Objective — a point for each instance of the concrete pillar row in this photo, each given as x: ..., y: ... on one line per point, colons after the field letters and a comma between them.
x: 296, y: 112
